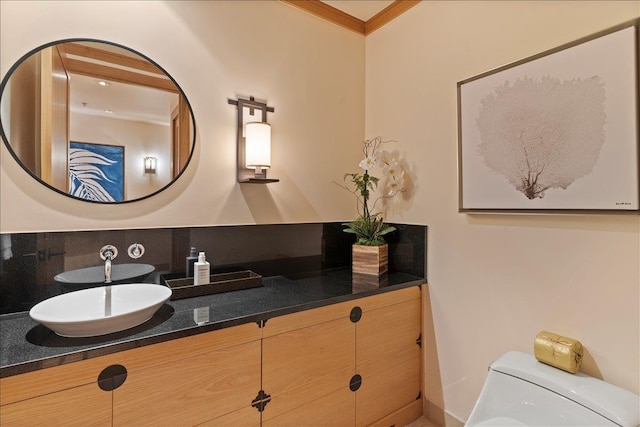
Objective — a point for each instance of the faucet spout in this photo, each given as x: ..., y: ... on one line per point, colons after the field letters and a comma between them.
x: 108, y: 253
x: 107, y: 270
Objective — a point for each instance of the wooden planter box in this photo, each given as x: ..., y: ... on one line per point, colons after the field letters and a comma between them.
x: 371, y: 260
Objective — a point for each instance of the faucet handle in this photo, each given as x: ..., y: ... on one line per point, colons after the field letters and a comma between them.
x: 136, y: 250
x: 108, y: 251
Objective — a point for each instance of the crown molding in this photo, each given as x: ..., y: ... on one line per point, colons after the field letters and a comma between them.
x: 388, y: 14
x: 329, y: 13
x: 342, y: 19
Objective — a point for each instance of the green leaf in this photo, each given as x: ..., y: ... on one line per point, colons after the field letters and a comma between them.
x: 388, y: 229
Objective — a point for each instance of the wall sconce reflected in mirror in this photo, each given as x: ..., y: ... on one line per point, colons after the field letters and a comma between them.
x: 150, y: 164
x: 254, y: 141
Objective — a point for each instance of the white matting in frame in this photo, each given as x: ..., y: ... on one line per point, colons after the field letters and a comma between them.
x: 554, y: 132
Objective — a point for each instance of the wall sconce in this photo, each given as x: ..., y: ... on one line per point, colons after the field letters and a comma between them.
x: 150, y: 164
x: 254, y: 141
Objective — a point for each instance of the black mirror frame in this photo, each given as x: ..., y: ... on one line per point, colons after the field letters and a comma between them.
x: 5, y: 139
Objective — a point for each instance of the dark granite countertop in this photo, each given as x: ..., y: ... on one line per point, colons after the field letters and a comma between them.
x: 27, y: 346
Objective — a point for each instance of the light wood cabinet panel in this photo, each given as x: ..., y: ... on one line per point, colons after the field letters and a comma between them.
x: 335, y: 409
x: 303, y: 365
x: 83, y: 406
x: 245, y: 417
x: 174, y: 350
x: 299, y: 320
x: 388, y: 298
x: 384, y: 393
x: 190, y: 391
x: 387, y: 336
x: 37, y: 383
x: 388, y: 357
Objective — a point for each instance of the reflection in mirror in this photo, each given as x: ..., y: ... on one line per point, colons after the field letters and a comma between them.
x: 82, y: 115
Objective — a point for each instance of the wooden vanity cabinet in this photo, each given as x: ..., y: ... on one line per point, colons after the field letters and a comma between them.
x: 354, y: 363
x: 187, y: 381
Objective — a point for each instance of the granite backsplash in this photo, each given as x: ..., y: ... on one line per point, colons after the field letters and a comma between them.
x: 29, y: 261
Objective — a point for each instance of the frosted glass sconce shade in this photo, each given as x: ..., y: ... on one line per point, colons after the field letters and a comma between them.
x: 253, y: 141
x: 257, y: 145
x: 150, y: 164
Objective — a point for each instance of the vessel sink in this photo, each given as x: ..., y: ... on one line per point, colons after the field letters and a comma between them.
x: 120, y: 273
x: 101, y: 310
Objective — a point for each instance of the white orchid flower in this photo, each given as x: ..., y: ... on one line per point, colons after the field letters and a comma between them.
x: 368, y: 163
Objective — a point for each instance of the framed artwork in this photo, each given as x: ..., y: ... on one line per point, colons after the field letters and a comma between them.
x: 554, y: 133
x: 96, y: 171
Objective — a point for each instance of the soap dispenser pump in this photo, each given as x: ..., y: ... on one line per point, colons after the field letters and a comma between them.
x: 201, y: 271
x: 191, y: 260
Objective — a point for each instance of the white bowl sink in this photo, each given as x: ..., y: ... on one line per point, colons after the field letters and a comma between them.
x: 101, y: 310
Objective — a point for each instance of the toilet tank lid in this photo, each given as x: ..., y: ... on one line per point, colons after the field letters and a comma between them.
x: 618, y: 405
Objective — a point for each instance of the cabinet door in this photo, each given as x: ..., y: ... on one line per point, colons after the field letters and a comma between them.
x: 190, y: 391
x: 308, y: 369
x: 82, y: 406
x: 59, y: 396
x: 388, y: 355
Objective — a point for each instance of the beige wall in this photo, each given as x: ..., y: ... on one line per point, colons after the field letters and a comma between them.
x: 309, y: 70
x: 495, y: 281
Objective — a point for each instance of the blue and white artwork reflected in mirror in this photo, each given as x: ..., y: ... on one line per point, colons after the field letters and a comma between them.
x: 96, y: 172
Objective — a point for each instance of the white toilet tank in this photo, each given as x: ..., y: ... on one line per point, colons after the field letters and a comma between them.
x: 520, y: 391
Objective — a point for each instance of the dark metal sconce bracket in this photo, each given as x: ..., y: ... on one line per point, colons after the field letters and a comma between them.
x: 246, y: 175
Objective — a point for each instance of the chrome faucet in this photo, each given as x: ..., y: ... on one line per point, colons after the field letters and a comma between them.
x: 108, y: 253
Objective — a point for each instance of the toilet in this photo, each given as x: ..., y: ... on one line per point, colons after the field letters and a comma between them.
x: 520, y: 391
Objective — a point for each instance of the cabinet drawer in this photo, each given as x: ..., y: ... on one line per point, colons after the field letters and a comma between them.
x: 290, y: 322
x: 51, y: 380
x: 82, y: 406
x: 388, y: 298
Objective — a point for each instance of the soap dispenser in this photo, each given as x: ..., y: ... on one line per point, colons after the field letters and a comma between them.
x: 191, y: 259
x: 201, y: 270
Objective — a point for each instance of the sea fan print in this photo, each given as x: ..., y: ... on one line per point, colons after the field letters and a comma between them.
x: 543, y: 134
x: 96, y: 172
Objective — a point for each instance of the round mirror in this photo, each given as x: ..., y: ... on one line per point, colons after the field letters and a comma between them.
x: 96, y: 121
